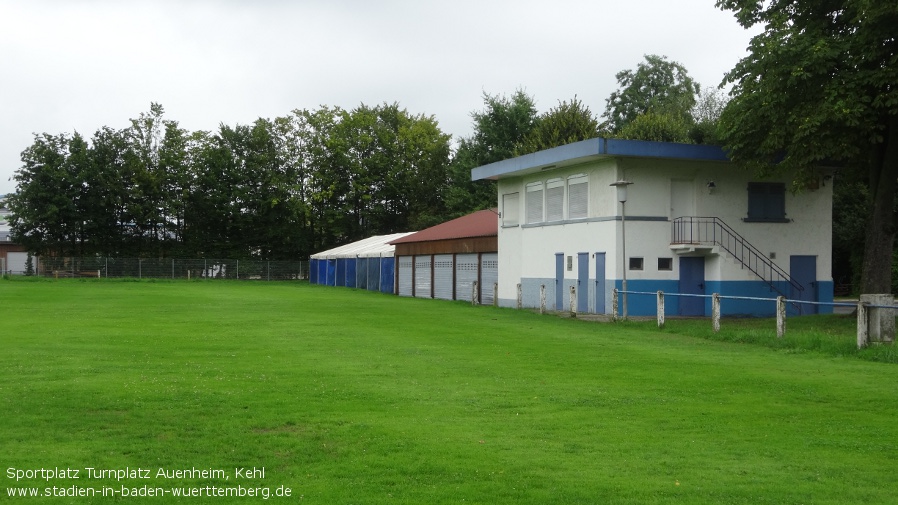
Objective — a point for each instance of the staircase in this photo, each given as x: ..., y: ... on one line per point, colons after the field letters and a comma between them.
x: 691, y: 233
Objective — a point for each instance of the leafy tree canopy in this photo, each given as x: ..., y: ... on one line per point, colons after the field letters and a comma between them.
x: 568, y: 122
x: 657, y: 85
x: 821, y: 83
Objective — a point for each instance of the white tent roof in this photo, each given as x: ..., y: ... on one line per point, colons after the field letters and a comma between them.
x: 371, y: 247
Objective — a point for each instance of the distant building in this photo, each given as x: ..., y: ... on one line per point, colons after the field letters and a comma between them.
x: 445, y: 260
x: 695, y: 224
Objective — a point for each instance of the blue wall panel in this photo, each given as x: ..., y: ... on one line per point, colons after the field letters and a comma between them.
x: 331, y: 271
x: 350, y: 272
x: 340, y: 278
x: 313, y: 271
x: 387, y: 270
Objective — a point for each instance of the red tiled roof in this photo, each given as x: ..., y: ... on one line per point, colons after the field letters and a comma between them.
x: 483, y: 223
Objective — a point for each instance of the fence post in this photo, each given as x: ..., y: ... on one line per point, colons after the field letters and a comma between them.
x: 715, y: 312
x: 660, y: 309
x: 238, y: 270
x: 172, y: 269
x: 614, y: 304
x: 495, y: 294
x: 780, y: 316
x: 862, y: 333
x: 542, y: 298
x: 474, y: 293
x: 520, y: 296
x: 139, y: 268
x: 573, y: 301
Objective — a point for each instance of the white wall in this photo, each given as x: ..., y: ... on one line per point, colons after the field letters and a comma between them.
x: 528, y: 250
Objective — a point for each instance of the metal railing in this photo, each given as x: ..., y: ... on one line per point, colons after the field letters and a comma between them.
x: 691, y: 230
x: 169, y: 268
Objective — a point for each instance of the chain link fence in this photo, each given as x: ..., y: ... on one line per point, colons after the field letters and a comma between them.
x: 172, y: 268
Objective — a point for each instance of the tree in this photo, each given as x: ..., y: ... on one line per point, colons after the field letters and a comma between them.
x: 658, y: 126
x: 568, y: 122
x: 820, y: 84
x: 709, y: 105
x: 499, y: 130
x: 657, y: 85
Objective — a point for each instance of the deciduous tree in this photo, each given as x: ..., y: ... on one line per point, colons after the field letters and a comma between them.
x: 821, y: 83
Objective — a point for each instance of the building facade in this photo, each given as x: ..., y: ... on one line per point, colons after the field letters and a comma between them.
x: 694, y: 224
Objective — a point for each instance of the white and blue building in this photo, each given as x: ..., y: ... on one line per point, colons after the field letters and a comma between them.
x: 695, y: 223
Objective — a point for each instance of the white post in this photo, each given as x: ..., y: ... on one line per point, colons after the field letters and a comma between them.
x: 660, y: 309
x: 573, y: 301
x: 520, y: 296
x: 862, y: 332
x: 542, y: 298
x: 780, y: 316
x: 715, y: 312
x: 474, y: 293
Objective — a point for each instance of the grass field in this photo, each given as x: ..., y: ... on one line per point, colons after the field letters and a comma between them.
x: 351, y: 397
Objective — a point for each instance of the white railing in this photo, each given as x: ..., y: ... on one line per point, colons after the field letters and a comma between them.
x: 867, y: 313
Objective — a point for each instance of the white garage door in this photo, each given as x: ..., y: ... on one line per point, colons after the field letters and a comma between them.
x: 405, y: 275
x: 422, y: 276
x: 16, y: 262
x: 465, y: 275
x: 489, y: 275
x: 442, y: 276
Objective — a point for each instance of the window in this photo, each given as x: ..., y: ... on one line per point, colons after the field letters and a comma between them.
x: 534, y: 202
x: 577, y: 196
x: 767, y: 202
x: 510, y: 209
x: 570, y: 263
x: 555, y: 200
x: 635, y: 263
x: 665, y: 263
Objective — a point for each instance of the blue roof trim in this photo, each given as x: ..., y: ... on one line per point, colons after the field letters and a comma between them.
x: 595, y: 149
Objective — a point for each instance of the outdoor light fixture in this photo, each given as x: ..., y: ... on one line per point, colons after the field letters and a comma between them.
x: 711, y: 187
x: 621, y: 186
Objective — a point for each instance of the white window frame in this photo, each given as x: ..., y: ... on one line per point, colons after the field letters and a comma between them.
x: 535, y: 203
x: 574, y: 205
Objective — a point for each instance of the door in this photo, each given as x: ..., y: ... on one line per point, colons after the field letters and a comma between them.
x: 423, y: 276
x: 682, y: 198
x: 466, y: 266
x: 692, y: 282
x: 443, y: 268
x: 600, y: 283
x: 489, y: 276
x: 582, y: 282
x: 804, y: 271
x: 405, y: 274
x: 559, y: 280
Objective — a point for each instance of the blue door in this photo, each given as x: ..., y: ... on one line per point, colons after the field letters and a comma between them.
x: 559, y: 279
x: 600, y: 283
x: 803, y: 270
x: 582, y: 282
x: 692, y: 282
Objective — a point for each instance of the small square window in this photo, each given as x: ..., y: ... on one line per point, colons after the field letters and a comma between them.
x: 636, y: 263
x: 570, y: 263
x: 665, y: 264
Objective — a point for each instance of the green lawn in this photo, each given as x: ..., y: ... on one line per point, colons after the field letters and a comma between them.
x: 351, y: 397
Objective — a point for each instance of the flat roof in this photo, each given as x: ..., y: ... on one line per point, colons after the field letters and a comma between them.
x: 596, y: 149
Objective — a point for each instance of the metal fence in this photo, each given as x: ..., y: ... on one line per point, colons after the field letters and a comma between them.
x: 171, y: 268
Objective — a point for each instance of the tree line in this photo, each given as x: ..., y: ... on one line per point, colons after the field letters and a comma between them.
x: 819, y: 84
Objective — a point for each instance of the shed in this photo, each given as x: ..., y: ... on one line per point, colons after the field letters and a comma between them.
x: 365, y: 264
x: 444, y: 261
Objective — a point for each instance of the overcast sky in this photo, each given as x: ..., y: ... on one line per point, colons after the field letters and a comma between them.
x: 78, y: 65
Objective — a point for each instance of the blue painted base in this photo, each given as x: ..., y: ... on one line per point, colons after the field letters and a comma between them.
x: 646, y: 305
